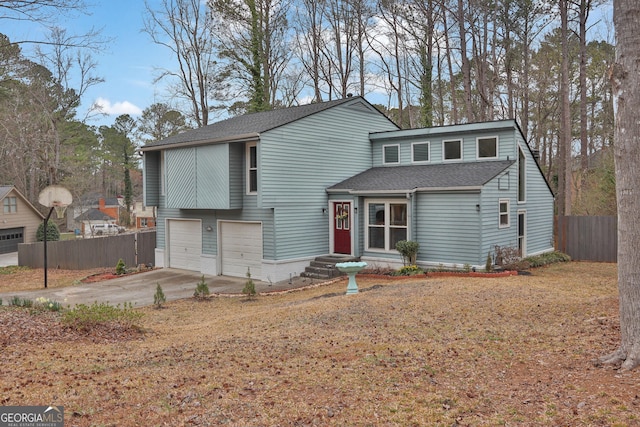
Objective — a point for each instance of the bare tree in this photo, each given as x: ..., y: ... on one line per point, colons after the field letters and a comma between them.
x: 625, y: 77
x: 184, y: 27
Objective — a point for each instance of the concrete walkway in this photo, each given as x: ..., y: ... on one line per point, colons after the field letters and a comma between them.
x: 139, y: 289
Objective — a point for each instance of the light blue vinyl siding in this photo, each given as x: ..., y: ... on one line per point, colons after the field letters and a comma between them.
x: 492, y: 193
x: 435, y: 136
x: 448, y: 228
x: 206, y: 177
x: 299, y: 161
x: 539, y: 206
x: 151, y: 178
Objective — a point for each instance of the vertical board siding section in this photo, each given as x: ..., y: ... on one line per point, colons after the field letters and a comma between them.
x: 588, y: 238
x: 299, y: 161
x: 448, y: 228
x: 181, y: 178
x: 83, y: 254
x: 212, y: 177
x: 151, y: 176
x: 236, y: 175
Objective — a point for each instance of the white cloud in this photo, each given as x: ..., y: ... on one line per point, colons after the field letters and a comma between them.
x: 117, y: 108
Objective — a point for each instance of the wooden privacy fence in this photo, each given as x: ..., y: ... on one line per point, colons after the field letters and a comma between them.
x: 588, y: 238
x: 82, y: 254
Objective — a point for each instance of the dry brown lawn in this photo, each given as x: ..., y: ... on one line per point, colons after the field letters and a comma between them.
x: 429, y: 352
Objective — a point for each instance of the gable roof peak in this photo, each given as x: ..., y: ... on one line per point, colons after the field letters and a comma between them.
x: 249, y: 126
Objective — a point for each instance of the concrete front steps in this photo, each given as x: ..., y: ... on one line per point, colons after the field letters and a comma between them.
x: 324, y: 267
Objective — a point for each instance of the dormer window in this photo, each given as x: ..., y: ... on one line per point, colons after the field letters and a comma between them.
x: 391, y: 154
x: 487, y: 148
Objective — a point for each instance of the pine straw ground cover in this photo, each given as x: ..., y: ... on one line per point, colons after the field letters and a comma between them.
x: 430, y: 352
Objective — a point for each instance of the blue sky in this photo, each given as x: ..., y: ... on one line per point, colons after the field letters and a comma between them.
x: 126, y: 64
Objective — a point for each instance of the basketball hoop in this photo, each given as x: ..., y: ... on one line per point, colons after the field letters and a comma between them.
x: 55, y: 198
x: 60, y: 211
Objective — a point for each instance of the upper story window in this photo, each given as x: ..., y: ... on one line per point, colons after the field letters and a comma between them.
x: 390, y: 154
x: 487, y: 148
x: 452, y: 150
x: 252, y: 168
x: 522, y: 196
x: 420, y: 152
x: 10, y: 205
x: 504, y: 216
x: 387, y: 224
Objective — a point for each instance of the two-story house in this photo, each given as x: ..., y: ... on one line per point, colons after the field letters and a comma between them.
x: 271, y: 191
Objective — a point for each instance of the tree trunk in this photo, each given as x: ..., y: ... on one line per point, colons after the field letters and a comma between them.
x: 584, y: 147
x: 625, y: 79
x: 564, y: 143
x: 466, y: 66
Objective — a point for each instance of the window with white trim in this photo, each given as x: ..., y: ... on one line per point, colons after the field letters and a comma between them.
x: 504, y: 216
x: 10, y: 205
x: 390, y: 154
x: 487, y: 148
x: 420, y: 152
x: 252, y: 168
x: 452, y: 150
x: 387, y: 224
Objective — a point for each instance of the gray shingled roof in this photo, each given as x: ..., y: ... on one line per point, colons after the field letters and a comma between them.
x: 4, y: 190
x: 253, y: 123
x: 94, y: 215
x: 408, y: 178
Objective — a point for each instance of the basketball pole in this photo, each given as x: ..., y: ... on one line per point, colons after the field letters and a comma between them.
x: 46, y: 222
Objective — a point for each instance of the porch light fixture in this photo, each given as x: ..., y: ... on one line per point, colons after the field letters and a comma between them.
x: 209, y: 228
x: 355, y: 210
x: 324, y: 211
x: 477, y: 208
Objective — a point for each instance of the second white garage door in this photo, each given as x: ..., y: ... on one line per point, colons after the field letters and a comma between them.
x: 241, y: 248
x: 185, y: 244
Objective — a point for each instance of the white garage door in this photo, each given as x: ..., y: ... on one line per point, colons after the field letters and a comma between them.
x: 241, y: 248
x: 185, y: 244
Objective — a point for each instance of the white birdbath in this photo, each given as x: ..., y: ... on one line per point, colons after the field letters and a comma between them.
x: 351, y: 268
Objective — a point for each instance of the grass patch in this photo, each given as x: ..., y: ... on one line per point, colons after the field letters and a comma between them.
x: 85, y: 317
x: 13, y: 269
x: 411, y: 352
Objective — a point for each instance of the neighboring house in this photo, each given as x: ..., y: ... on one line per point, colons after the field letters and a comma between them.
x: 143, y: 216
x: 94, y: 209
x: 271, y: 191
x: 19, y: 220
x: 92, y: 218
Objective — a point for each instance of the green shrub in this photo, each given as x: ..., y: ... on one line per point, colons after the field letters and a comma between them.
x: 53, y: 232
x: 86, y: 317
x: 409, y: 270
x: 121, y: 268
x: 408, y: 250
x: 159, y: 298
x: 249, y: 287
x: 202, y: 289
x: 547, y: 258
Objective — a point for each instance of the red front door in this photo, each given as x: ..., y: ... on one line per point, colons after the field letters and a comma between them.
x: 342, y: 228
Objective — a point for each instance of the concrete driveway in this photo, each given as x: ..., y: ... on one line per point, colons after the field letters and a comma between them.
x: 139, y: 289
x: 8, y: 259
